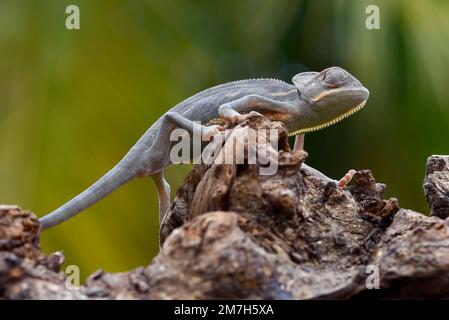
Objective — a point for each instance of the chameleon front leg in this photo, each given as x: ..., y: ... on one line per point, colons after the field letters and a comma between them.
x: 346, y: 178
x: 299, y: 145
x: 232, y: 110
x: 299, y: 142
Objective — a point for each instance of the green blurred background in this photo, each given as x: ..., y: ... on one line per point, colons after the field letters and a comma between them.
x: 73, y: 102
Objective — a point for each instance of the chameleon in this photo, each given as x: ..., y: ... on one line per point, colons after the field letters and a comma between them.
x: 314, y: 101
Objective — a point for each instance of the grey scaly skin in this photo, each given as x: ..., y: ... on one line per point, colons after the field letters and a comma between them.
x: 315, y: 100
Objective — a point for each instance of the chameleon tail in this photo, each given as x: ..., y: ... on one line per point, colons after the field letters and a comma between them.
x: 116, y: 177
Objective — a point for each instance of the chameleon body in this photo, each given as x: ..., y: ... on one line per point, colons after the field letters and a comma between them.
x: 315, y: 100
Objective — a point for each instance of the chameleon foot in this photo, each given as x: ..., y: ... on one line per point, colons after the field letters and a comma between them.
x: 238, y: 118
x: 346, y: 179
x: 210, y: 131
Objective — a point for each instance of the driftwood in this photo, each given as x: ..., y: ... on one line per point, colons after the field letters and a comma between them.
x: 233, y: 233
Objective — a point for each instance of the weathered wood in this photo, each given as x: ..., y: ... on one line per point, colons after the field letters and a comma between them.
x: 436, y: 185
x: 234, y: 233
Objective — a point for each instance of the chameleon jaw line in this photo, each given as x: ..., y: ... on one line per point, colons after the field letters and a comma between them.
x: 329, y: 123
x: 326, y: 93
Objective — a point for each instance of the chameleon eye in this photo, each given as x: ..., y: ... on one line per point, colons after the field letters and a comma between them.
x: 335, y: 76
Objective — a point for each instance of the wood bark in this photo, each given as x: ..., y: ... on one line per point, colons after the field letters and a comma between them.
x: 232, y: 233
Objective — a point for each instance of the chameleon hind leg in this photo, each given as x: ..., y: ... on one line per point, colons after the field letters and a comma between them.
x: 207, y: 132
x: 163, y: 192
x: 158, y: 154
x: 299, y: 145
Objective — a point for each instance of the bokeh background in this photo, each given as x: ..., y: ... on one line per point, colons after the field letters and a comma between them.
x: 73, y: 102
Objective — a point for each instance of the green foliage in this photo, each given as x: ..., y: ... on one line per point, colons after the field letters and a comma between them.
x: 73, y: 101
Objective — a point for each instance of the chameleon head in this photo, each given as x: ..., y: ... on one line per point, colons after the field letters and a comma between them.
x: 327, y: 97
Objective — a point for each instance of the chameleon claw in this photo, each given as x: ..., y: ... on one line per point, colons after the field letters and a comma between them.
x: 239, y: 118
x: 346, y: 178
x: 210, y: 131
x: 254, y: 113
x: 236, y: 118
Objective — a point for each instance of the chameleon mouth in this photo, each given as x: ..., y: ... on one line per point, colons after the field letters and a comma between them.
x: 329, y: 123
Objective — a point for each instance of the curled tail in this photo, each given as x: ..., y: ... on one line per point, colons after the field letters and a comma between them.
x: 116, y: 177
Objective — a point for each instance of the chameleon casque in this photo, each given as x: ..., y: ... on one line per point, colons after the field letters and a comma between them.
x: 314, y: 101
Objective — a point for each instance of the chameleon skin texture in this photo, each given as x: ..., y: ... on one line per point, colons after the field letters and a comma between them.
x: 314, y: 101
